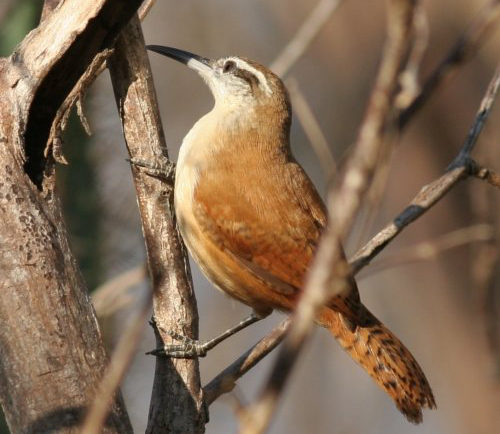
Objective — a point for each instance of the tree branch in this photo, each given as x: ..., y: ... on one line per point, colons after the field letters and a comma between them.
x: 309, y: 29
x: 488, y: 175
x: 430, y: 249
x: 176, y: 404
x: 117, y: 368
x: 226, y: 380
x: 461, y: 167
x: 466, y: 46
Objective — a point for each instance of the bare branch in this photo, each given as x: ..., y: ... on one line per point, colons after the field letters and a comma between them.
x: 428, y: 250
x: 111, y: 296
x: 120, y: 361
x: 226, y: 380
x: 466, y: 46
x: 410, y: 77
x: 481, y: 117
x: 330, y: 273
x: 145, y: 8
x: 428, y: 196
x: 312, y: 129
x: 459, y: 169
x: 304, y: 36
x: 176, y: 404
x: 488, y: 175
x: 412, y: 97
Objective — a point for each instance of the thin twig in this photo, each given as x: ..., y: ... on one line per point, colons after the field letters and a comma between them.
x: 462, y: 51
x: 5, y: 8
x: 466, y: 46
x: 428, y: 196
x: 118, y: 366
x: 312, y: 129
x: 409, y: 83
x: 481, y: 117
x: 330, y: 273
x: 488, y: 175
x: 485, y: 259
x: 112, y: 295
x: 486, y: 276
x: 428, y: 250
x: 410, y: 77
x: 226, y: 380
x: 304, y: 36
x: 461, y: 167
x: 145, y: 8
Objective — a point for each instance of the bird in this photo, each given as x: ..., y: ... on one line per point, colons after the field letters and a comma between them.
x: 252, y: 219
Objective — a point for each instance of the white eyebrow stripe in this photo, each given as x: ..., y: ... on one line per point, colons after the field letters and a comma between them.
x: 262, y: 78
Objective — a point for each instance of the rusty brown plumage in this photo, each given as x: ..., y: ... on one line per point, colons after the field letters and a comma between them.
x: 252, y: 219
x: 265, y: 256
x: 385, y: 358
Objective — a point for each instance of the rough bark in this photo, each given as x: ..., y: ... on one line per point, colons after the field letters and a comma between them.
x: 51, y: 352
x: 177, y: 399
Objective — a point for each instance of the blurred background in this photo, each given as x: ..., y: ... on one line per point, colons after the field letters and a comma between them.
x: 444, y: 309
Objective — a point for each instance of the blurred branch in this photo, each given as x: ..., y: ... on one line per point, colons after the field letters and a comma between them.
x: 485, y: 270
x: 145, y: 8
x: 485, y: 258
x: 466, y: 46
x: 120, y: 361
x: 297, y: 46
x: 423, y: 201
x: 409, y: 87
x: 428, y: 250
x: 330, y: 274
x: 461, y: 167
x: 5, y: 8
x: 410, y: 77
x: 226, y: 380
x: 312, y: 129
x: 112, y: 295
x: 411, y: 97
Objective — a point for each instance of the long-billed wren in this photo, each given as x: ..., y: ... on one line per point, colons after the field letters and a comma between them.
x: 252, y: 219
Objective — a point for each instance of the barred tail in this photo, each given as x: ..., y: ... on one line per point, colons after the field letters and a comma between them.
x: 385, y: 358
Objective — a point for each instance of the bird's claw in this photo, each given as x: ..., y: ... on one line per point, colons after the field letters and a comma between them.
x: 187, y: 349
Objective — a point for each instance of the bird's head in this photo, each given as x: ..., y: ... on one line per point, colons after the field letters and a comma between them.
x: 234, y: 81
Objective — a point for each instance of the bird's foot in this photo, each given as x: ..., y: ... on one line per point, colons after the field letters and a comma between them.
x: 162, y: 168
x: 187, y: 348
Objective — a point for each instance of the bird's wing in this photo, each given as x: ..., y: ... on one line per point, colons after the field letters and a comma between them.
x: 271, y: 227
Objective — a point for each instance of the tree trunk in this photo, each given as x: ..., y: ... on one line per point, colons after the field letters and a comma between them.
x: 51, y: 351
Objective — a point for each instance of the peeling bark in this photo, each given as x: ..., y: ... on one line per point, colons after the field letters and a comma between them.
x: 51, y: 351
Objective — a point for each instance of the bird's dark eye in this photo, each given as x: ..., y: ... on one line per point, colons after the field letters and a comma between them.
x: 229, y: 66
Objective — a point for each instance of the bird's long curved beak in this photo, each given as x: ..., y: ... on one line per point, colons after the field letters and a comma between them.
x: 200, y: 64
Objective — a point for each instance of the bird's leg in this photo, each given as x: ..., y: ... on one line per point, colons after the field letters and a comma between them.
x: 189, y: 348
x: 162, y: 168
